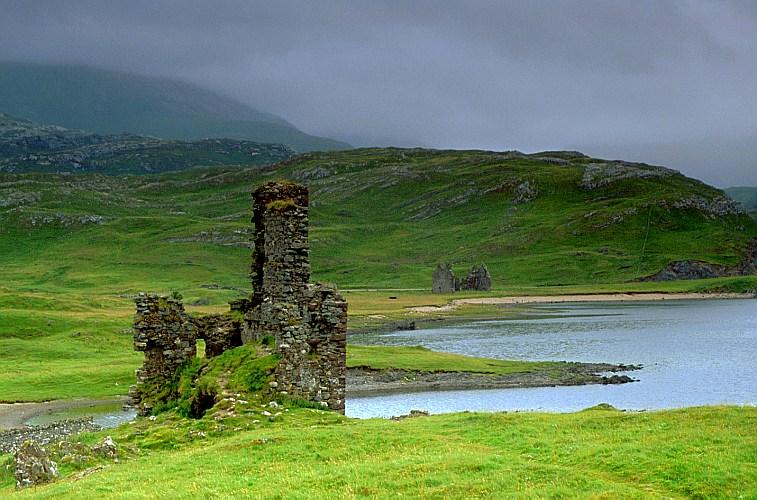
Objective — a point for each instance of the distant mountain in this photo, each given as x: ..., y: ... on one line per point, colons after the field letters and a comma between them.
x: 26, y: 146
x: 107, y: 102
x: 747, y: 196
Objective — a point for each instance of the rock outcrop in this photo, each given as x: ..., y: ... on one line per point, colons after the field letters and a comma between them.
x: 30, y: 147
x: 603, y: 173
x: 697, y: 269
x: 33, y: 466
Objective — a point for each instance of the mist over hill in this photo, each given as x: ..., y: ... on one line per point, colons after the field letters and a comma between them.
x: 747, y: 196
x: 107, y: 102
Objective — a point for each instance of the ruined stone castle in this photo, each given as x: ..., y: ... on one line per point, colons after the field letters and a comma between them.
x: 445, y: 281
x: 308, y: 322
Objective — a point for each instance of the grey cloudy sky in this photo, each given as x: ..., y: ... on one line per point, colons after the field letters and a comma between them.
x: 668, y: 82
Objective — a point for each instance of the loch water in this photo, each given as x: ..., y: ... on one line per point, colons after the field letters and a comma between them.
x: 693, y: 352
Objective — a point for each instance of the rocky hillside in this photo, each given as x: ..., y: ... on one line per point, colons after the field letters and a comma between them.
x: 26, y: 146
x: 107, y: 102
x: 379, y: 218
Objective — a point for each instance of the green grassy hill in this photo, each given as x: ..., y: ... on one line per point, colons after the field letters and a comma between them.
x: 74, y: 248
x: 107, y: 102
x: 379, y: 218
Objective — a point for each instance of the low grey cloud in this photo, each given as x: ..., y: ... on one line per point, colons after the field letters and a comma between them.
x: 662, y: 81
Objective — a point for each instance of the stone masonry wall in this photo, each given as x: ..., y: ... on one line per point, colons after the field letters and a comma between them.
x: 280, y: 258
x: 12, y: 439
x: 219, y: 331
x: 478, y: 279
x: 164, y: 332
x: 444, y: 281
x: 308, y: 322
x: 313, y: 353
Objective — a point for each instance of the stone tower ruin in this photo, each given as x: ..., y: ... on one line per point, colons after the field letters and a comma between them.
x: 308, y: 322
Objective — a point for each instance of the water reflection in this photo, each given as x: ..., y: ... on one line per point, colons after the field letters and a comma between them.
x: 694, y: 353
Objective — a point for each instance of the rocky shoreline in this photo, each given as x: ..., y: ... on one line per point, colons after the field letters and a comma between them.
x: 12, y: 439
x: 363, y: 382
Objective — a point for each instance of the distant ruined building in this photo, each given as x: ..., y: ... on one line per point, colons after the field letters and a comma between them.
x: 444, y: 280
x: 308, y: 322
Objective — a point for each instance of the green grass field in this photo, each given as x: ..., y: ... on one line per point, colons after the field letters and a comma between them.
x: 306, y: 453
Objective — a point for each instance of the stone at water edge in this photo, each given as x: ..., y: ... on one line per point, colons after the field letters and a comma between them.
x: 33, y: 466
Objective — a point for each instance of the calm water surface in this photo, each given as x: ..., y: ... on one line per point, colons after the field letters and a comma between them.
x: 105, y: 415
x: 698, y: 352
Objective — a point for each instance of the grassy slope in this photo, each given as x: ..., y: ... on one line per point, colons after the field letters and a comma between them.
x: 694, y: 452
x: 373, y: 225
x: 423, y: 359
x: 380, y: 218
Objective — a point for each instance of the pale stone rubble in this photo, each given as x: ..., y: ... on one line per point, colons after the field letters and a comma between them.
x: 12, y: 439
x: 33, y: 466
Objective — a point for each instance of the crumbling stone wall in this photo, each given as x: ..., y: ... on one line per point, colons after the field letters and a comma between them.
x: 219, y: 331
x: 444, y: 280
x: 313, y: 354
x: 12, y: 439
x: 308, y: 322
x: 164, y: 332
x: 33, y: 466
x: 478, y: 279
x: 281, y: 256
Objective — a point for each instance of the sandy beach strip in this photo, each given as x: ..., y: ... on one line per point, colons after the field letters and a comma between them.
x: 599, y: 297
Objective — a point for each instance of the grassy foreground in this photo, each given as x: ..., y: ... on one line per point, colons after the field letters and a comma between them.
x: 307, y: 453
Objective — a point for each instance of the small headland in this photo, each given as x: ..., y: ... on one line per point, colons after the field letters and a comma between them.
x: 373, y: 370
x: 370, y: 382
